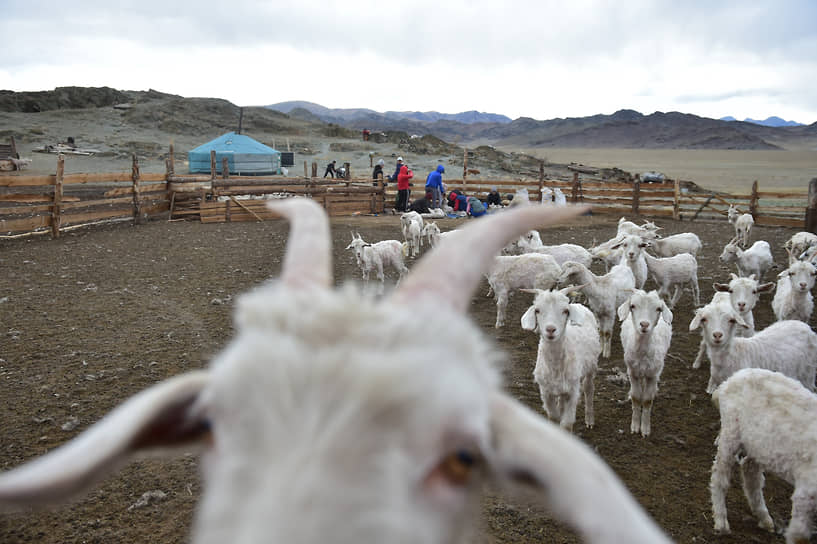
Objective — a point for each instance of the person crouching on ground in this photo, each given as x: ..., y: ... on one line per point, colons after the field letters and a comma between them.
x: 434, y: 185
x: 403, y: 188
x: 493, y: 198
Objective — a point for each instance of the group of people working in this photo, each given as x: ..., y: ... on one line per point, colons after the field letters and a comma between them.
x: 434, y: 191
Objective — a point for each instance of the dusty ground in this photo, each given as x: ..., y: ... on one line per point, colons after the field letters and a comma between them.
x: 99, y: 314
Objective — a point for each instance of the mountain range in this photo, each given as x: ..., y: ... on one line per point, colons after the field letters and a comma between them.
x: 623, y: 129
x: 772, y: 121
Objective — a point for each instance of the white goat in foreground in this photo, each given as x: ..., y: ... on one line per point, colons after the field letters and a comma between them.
x: 742, y: 222
x: 742, y: 294
x: 325, y: 420
x: 646, y: 332
x: 432, y: 233
x: 793, y: 298
x: 375, y: 256
x: 604, y: 294
x: 567, y: 357
x: 756, y: 260
x: 767, y: 424
x: 526, y: 271
x: 789, y: 347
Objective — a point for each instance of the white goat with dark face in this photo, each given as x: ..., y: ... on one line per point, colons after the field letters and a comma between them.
x: 568, y: 355
x: 646, y: 332
x: 325, y: 420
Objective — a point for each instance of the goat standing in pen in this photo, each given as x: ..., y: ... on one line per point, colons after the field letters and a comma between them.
x: 324, y: 418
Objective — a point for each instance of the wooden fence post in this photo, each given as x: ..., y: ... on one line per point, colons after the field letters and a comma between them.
x: 811, y: 211
x: 676, y: 201
x: 464, y: 166
x: 56, y: 209
x: 574, y: 197
x: 541, y: 181
x: 137, y: 201
x: 225, y: 168
x: 753, y: 201
x: 314, y: 169
x: 306, y: 172
x: 213, y: 167
x: 170, y: 163
x: 348, y: 167
x: 636, y: 193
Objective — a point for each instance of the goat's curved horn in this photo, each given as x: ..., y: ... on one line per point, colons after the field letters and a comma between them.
x: 459, y: 263
x: 308, y: 258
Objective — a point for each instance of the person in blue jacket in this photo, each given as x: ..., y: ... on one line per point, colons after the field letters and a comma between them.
x: 393, y: 177
x: 434, y: 185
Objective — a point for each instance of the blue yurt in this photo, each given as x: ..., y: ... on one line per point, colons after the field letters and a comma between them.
x: 245, y: 156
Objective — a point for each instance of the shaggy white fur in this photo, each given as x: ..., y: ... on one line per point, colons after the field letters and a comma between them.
x: 325, y: 420
x: 376, y: 256
x: 646, y: 332
x: 685, y: 242
x: 633, y: 255
x: 789, y: 347
x: 604, y: 294
x: 526, y: 271
x: 673, y: 273
x: 568, y: 354
x: 793, y: 298
x: 768, y: 420
x: 756, y: 260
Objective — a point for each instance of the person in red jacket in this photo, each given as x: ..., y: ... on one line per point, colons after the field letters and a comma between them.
x: 403, y: 188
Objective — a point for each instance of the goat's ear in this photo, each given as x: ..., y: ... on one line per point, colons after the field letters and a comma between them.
x: 783, y: 274
x: 574, y: 482
x: 763, y: 287
x: 159, y: 418
x: 624, y: 310
x: 528, y: 320
x: 722, y: 287
x: 696, y: 321
x: 666, y: 313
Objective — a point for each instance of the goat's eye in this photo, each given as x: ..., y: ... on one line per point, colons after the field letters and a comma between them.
x: 732, y: 321
x: 703, y: 320
x: 754, y: 292
x: 566, y: 311
x: 632, y: 306
x: 536, y: 311
x: 457, y: 466
x: 658, y: 309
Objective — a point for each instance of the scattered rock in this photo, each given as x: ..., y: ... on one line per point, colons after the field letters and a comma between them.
x: 147, y: 498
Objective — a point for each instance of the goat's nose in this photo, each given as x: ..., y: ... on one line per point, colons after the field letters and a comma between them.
x: 741, y: 306
x: 717, y: 335
x: 550, y: 329
x: 802, y: 285
x: 645, y: 324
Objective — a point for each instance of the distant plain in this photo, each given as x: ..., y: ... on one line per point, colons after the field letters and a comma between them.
x: 723, y: 170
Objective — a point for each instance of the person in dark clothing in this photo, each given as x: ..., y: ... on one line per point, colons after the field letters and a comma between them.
x: 330, y: 169
x: 377, y: 173
x: 494, y: 198
x: 420, y: 205
x: 393, y: 177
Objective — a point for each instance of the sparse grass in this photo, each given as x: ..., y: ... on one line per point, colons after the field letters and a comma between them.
x: 724, y: 170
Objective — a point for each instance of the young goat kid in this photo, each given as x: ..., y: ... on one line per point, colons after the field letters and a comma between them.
x: 742, y: 222
x: 568, y: 355
x: 325, y: 420
x: 375, y: 256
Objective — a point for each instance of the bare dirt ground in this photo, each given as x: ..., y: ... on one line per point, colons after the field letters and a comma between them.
x: 102, y: 313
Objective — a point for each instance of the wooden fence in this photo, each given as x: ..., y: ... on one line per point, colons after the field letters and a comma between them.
x: 53, y: 203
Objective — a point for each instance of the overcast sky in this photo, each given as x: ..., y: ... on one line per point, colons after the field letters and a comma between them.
x: 540, y: 58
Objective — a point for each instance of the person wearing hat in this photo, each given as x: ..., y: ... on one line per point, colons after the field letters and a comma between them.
x: 393, y: 177
x: 494, y: 198
x: 377, y: 173
x: 330, y: 169
x: 403, y: 180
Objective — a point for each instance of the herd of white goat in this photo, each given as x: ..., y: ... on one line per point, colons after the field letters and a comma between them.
x: 370, y: 439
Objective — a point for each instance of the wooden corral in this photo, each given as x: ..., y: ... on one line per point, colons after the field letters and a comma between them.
x: 52, y: 203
